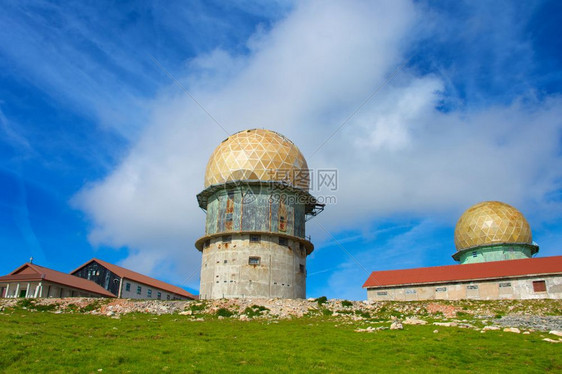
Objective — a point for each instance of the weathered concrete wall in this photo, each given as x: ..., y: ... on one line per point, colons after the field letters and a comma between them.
x: 235, y: 214
x: 226, y: 270
x: 506, y: 288
x: 263, y: 209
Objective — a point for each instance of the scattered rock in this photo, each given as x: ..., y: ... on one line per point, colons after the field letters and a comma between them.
x: 435, y: 331
x: 554, y: 332
x: 446, y: 324
x: 490, y: 328
x: 414, y: 321
x: 512, y: 329
x: 368, y: 329
x: 521, y: 314
x: 396, y: 325
x: 552, y: 340
x: 532, y: 321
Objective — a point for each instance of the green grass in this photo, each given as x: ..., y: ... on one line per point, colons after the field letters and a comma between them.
x: 143, y: 343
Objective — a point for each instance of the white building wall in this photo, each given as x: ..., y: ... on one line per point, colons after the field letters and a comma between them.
x: 146, y: 292
x: 504, y: 288
x: 43, y: 289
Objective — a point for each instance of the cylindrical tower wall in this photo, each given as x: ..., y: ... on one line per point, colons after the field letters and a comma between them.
x: 255, y: 208
x: 253, y: 266
x: 498, y: 252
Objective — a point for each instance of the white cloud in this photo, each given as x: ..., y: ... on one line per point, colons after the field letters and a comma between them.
x: 303, y: 78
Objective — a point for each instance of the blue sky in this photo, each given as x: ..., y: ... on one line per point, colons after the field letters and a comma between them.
x: 102, y: 152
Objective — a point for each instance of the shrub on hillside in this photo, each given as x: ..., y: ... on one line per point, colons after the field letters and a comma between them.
x: 322, y: 300
x: 223, y: 312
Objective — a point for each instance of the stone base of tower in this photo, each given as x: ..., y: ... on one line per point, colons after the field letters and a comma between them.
x: 253, y: 266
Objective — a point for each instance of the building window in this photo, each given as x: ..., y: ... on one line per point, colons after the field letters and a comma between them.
x: 255, y: 238
x: 539, y: 286
x: 167, y: 297
x: 505, y: 284
x: 149, y: 292
x: 301, y: 268
x: 159, y: 295
x: 441, y: 289
x: 284, y: 241
x: 382, y: 293
x: 472, y: 287
x: 139, y: 290
x: 254, y: 261
x: 410, y: 292
x: 225, y: 261
x: 128, y: 287
x: 474, y: 254
x: 227, y: 238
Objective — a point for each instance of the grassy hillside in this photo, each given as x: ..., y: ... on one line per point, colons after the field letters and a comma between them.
x: 41, y: 341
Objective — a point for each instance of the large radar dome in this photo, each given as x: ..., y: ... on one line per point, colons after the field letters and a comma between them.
x: 489, y: 223
x: 257, y: 154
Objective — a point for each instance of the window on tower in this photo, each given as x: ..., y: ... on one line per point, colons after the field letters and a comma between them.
x: 254, y: 260
x: 255, y: 238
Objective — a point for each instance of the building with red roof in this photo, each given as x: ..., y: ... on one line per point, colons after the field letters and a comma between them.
x: 95, y: 278
x: 125, y: 283
x: 495, y: 248
x: 530, y: 278
x: 30, y: 280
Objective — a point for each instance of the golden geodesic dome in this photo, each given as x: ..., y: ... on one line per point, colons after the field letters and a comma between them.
x: 491, y: 222
x: 257, y: 154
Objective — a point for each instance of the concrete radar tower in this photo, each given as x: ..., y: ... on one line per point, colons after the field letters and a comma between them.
x: 257, y: 201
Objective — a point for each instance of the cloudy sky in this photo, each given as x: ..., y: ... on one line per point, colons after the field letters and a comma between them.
x: 110, y: 110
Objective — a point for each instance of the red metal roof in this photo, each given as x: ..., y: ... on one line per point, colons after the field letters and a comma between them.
x: 140, y: 278
x: 32, y: 272
x: 467, y: 272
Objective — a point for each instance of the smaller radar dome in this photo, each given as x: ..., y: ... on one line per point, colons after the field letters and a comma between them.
x: 491, y: 222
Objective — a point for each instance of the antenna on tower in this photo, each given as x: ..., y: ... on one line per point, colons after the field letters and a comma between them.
x: 31, y: 260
